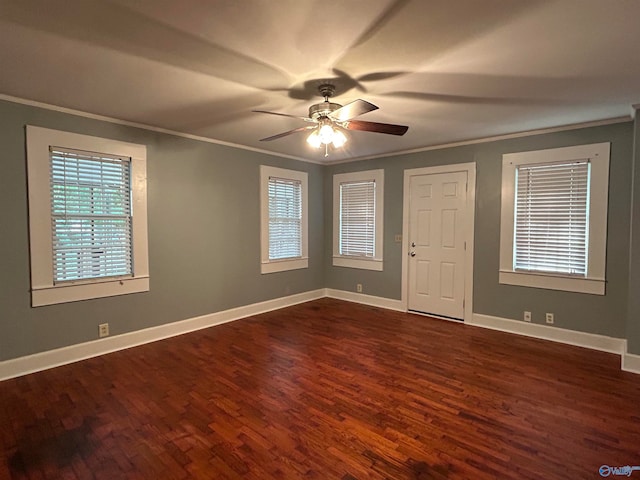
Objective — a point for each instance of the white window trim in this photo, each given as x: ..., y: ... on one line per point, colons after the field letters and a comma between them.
x: 594, y: 282
x: 272, y: 266
x: 375, y: 263
x: 43, y: 290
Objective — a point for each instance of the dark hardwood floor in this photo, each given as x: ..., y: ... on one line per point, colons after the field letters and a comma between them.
x: 326, y: 390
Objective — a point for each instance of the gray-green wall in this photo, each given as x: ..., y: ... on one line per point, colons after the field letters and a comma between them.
x: 604, y: 315
x: 633, y: 316
x: 204, y: 236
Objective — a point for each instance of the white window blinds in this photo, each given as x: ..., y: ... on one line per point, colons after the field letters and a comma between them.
x: 90, y: 215
x: 357, y: 218
x: 285, y: 218
x: 552, y: 217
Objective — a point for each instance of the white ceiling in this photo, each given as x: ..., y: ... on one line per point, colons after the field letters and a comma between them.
x: 452, y: 70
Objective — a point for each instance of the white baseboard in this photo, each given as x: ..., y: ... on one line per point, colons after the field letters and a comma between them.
x: 371, y: 300
x: 73, y: 353
x: 631, y: 362
x: 62, y: 356
x: 555, y: 334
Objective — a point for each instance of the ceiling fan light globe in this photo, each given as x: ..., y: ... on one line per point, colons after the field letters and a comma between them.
x: 314, y: 139
x: 326, y: 134
x: 339, y: 138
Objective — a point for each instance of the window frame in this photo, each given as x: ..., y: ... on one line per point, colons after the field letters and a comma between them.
x: 294, y: 263
x: 594, y: 281
x: 376, y: 262
x: 43, y: 289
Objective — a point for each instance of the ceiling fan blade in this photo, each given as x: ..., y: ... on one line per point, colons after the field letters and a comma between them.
x: 306, y: 119
x: 375, y: 127
x: 284, y: 134
x: 352, y: 110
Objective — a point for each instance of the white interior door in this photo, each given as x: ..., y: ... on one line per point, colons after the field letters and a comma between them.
x: 437, y: 220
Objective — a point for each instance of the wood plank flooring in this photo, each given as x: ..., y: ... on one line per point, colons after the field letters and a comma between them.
x: 326, y: 390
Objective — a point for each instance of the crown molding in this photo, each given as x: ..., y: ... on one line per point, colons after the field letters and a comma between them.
x: 118, y: 121
x: 526, y: 133
x: 507, y: 136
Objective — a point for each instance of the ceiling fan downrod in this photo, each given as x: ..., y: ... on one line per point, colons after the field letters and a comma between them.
x: 322, y: 110
x: 327, y: 90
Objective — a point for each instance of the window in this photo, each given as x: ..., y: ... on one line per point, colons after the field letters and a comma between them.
x: 357, y: 219
x: 554, y: 218
x: 90, y: 215
x: 284, y: 219
x: 87, y: 209
x: 551, y: 218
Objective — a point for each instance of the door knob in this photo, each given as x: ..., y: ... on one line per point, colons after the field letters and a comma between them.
x: 413, y: 254
x: 413, y: 244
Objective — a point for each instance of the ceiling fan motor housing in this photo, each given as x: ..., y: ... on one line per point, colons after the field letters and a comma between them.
x: 321, y: 110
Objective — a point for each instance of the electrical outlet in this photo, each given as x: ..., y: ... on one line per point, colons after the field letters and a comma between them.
x: 398, y: 238
x: 527, y: 316
x: 550, y: 318
x: 103, y: 330
x: 359, y: 288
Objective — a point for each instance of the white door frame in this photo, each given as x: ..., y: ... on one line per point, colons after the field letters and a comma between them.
x: 470, y: 168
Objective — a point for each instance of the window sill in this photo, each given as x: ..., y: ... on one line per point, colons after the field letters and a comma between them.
x: 593, y: 286
x: 51, y: 295
x: 356, y: 262
x: 284, y: 265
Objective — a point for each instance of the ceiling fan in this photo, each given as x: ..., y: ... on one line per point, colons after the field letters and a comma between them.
x: 330, y: 119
